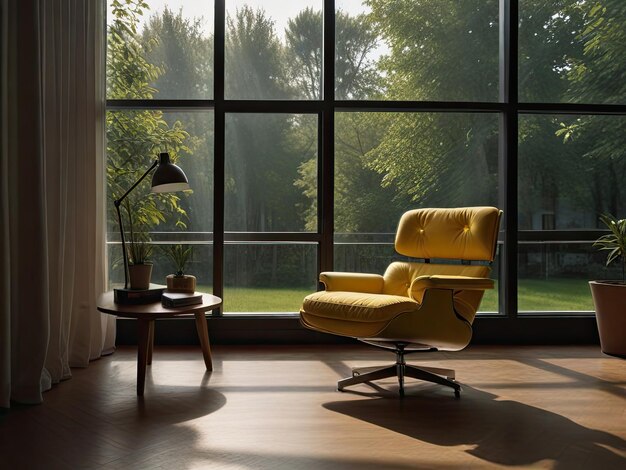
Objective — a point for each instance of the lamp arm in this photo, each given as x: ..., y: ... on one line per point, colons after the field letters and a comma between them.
x: 124, y: 255
x: 117, y: 204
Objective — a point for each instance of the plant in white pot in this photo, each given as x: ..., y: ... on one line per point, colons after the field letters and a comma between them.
x: 180, y: 282
x: 609, y: 297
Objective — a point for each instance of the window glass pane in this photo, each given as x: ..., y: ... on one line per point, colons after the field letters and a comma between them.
x: 572, y: 51
x: 489, y: 303
x: 554, y: 276
x: 271, y: 173
x: 200, y: 263
x: 134, y: 139
x: 388, y: 163
x: 364, y: 253
x: 571, y: 169
x: 268, y: 277
x: 273, y: 49
x: 406, y: 50
x: 162, y: 51
x: 358, y: 50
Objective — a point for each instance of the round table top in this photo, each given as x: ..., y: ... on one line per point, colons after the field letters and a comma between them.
x: 154, y: 309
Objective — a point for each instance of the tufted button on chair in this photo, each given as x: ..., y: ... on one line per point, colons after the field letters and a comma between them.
x: 414, y: 306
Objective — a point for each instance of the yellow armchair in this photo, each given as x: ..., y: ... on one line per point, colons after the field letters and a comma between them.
x: 425, y: 305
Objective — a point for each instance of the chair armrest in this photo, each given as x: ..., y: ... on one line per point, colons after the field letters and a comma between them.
x: 352, y: 282
x: 421, y: 283
x: 441, y: 281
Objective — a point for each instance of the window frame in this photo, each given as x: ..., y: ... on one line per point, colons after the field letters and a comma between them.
x: 508, y: 108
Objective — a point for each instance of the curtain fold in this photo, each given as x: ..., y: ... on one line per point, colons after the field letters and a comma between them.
x: 55, y: 243
x: 5, y: 265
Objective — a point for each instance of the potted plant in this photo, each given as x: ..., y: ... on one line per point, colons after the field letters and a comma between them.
x: 609, y: 297
x: 139, y: 265
x: 180, y: 282
x: 138, y: 250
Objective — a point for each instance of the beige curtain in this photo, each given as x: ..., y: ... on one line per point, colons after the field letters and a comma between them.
x: 53, y: 245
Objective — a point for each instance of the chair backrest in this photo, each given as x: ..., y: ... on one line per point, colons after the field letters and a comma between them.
x: 464, y: 233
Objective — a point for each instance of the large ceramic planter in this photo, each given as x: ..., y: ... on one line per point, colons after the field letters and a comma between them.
x: 139, y: 276
x: 609, y: 298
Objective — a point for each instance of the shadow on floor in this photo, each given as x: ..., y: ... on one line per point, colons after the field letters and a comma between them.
x: 104, y: 426
x: 502, y: 432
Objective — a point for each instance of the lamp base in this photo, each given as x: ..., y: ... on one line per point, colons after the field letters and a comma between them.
x: 138, y: 297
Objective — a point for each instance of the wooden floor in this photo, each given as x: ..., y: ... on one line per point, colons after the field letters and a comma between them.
x: 276, y: 407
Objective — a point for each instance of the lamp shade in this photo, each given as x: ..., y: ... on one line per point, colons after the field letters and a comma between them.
x: 167, y: 177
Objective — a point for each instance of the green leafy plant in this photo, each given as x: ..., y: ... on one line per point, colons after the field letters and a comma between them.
x: 139, y: 249
x: 179, y: 256
x: 614, y: 242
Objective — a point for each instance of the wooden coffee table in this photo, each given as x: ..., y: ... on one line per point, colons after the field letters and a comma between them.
x: 146, y: 314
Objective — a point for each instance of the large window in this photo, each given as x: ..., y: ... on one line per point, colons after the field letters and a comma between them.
x: 307, y: 127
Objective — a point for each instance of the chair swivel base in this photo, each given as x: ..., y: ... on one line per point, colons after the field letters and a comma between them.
x: 401, y: 370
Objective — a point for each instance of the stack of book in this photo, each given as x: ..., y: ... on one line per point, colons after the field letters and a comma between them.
x: 138, y: 297
x: 180, y: 299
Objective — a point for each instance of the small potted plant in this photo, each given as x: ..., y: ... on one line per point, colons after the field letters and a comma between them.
x: 180, y: 282
x: 139, y: 265
x: 609, y: 297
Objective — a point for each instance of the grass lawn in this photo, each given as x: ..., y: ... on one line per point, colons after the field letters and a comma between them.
x: 546, y: 295
x: 534, y: 295
x: 238, y: 299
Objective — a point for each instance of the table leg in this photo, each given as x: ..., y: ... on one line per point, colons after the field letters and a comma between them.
x: 203, y: 335
x: 143, y: 338
x: 150, y: 342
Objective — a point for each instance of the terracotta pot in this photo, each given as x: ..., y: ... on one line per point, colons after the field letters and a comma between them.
x: 609, y: 298
x: 139, y: 276
x: 184, y: 283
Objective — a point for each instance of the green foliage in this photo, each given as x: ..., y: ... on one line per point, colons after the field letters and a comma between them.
x: 134, y: 138
x: 356, y: 74
x: 179, y: 255
x: 439, y: 50
x: 139, y: 248
x: 594, y: 77
x: 548, y: 47
x: 182, y: 52
x: 438, y: 159
x: 128, y: 74
x: 614, y: 242
x: 254, y: 57
x: 355, y: 134
x: 139, y: 252
x: 261, y: 158
x: 304, y: 39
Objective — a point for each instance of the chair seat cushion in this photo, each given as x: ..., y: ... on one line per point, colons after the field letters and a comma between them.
x: 355, y: 314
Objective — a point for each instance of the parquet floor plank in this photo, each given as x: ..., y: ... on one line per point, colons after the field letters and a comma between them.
x: 276, y: 407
